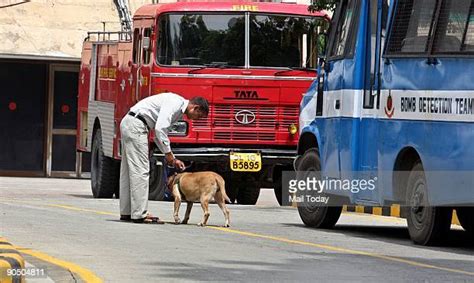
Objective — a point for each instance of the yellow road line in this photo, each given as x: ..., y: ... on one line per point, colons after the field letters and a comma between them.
x: 343, y: 250
x: 84, y: 273
x: 82, y: 209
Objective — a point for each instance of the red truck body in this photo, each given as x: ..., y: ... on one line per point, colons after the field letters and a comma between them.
x: 252, y: 108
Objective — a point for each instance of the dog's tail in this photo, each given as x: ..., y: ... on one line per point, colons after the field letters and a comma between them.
x: 221, y: 184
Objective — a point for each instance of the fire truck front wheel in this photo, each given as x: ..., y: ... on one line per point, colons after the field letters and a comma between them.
x: 316, y: 215
x: 248, y: 189
x: 157, y: 181
x: 104, y: 170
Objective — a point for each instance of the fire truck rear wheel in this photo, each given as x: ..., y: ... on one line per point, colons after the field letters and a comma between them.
x: 105, y: 171
x: 465, y: 216
x: 316, y: 215
x: 427, y: 225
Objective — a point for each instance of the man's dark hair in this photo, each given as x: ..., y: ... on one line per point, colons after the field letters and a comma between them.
x: 202, y: 103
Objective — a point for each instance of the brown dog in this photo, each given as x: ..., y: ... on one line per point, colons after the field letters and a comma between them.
x: 202, y: 187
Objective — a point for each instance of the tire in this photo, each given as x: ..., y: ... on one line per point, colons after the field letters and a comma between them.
x: 466, y: 218
x: 231, y: 188
x: 105, y: 171
x: 427, y: 225
x: 157, y: 182
x: 277, y: 189
x: 316, y: 215
x: 248, y: 191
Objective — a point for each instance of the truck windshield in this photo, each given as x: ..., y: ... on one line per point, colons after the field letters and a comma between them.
x: 283, y: 41
x: 218, y: 40
x: 201, y: 39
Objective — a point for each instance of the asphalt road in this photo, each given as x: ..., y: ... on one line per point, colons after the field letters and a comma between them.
x: 58, y: 218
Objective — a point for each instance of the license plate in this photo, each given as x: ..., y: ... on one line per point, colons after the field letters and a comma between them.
x: 246, y: 162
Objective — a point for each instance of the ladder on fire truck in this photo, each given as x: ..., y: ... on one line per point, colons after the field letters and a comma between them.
x: 124, y: 15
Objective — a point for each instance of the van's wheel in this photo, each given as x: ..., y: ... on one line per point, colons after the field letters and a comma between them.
x: 248, y: 190
x: 316, y: 215
x: 466, y: 218
x: 105, y: 171
x: 157, y: 182
x: 427, y: 225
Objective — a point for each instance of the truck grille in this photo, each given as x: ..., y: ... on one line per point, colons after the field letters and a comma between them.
x: 268, y: 119
x: 236, y: 136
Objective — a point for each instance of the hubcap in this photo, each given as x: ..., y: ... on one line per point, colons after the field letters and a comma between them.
x: 418, y: 203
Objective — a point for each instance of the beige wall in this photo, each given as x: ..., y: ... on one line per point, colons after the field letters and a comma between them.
x: 54, y: 27
x: 57, y: 28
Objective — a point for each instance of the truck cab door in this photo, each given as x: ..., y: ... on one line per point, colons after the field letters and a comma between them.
x: 142, y: 62
x: 144, y: 74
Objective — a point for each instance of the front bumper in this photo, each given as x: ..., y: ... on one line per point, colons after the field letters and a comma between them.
x: 218, y: 154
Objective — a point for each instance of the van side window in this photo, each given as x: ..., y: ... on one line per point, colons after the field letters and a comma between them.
x: 455, y: 28
x: 412, y: 27
x: 341, y: 44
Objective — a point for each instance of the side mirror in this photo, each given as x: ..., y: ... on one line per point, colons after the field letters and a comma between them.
x: 146, y: 43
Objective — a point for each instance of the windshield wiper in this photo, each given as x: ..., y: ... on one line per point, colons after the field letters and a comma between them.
x: 220, y: 65
x: 295, y: 69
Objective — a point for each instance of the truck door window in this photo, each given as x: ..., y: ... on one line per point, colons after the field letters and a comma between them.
x: 412, y: 27
x: 136, y: 46
x: 147, y: 52
x: 341, y: 43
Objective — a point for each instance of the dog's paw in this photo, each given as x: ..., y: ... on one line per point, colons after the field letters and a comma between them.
x: 226, y: 225
x: 184, y: 222
x: 200, y: 224
x: 177, y: 221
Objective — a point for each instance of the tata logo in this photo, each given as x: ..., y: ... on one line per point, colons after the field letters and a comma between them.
x: 245, y: 117
x: 246, y: 94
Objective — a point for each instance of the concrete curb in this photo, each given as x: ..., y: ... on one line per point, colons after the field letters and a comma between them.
x: 10, y: 258
x: 393, y: 211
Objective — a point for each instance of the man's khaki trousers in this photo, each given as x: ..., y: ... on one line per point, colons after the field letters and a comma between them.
x: 134, y: 169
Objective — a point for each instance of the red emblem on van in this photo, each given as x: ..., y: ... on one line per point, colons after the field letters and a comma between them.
x: 389, y: 109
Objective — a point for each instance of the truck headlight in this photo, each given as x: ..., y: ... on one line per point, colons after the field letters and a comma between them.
x: 179, y: 128
x: 292, y: 129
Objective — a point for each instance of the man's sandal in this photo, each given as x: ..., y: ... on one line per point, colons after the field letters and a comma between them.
x: 148, y: 220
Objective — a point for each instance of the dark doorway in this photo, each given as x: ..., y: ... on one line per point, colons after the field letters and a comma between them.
x: 63, y: 121
x: 22, y: 117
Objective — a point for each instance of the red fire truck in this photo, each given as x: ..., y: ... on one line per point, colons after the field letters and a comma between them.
x: 252, y: 61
